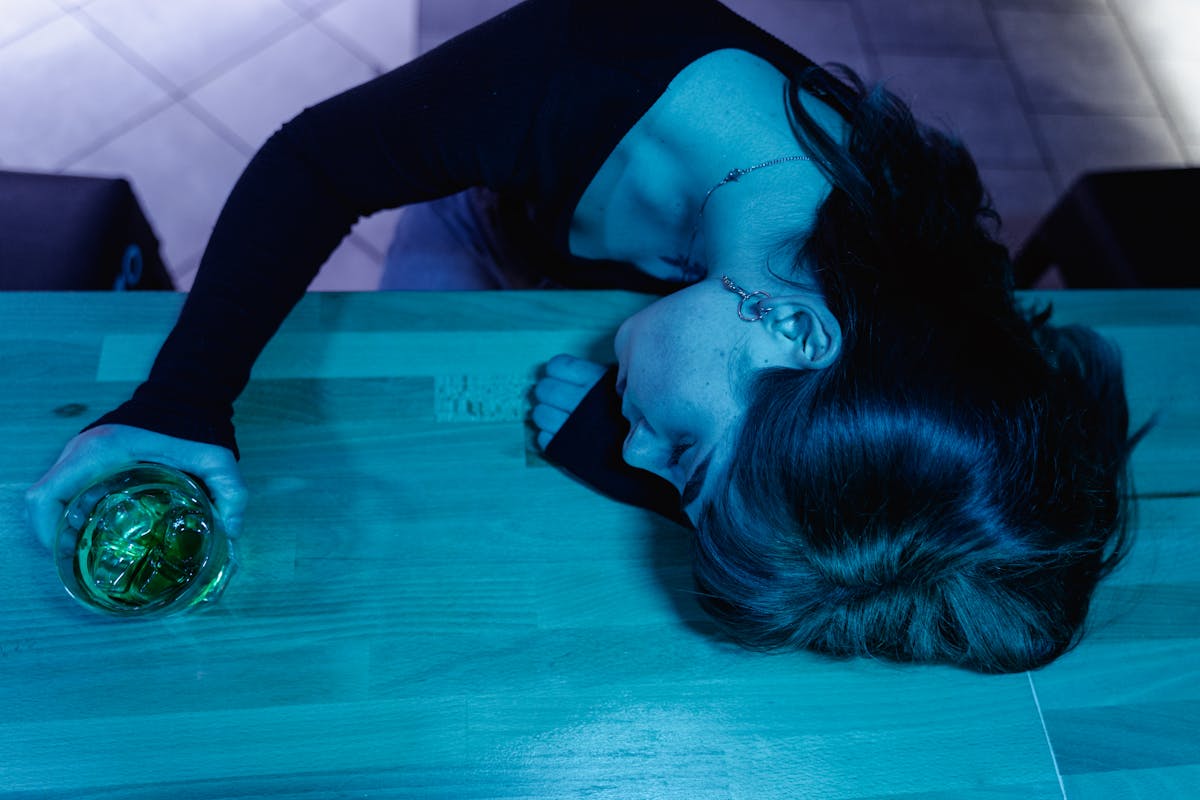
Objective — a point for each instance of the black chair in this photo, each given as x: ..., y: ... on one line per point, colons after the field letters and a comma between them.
x: 69, y: 232
x: 1124, y: 229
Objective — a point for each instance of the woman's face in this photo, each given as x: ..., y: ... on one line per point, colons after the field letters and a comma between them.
x: 679, y: 380
x: 686, y: 363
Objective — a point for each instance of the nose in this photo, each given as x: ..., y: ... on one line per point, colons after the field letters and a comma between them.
x: 643, y: 448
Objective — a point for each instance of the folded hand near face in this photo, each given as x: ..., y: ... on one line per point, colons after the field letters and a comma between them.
x: 567, y: 381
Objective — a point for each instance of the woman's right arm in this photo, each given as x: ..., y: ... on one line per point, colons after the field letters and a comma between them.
x: 457, y: 117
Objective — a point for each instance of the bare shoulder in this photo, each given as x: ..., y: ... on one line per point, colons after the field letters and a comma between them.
x: 737, y: 79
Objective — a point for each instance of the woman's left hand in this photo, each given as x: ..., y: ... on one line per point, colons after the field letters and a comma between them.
x: 567, y: 381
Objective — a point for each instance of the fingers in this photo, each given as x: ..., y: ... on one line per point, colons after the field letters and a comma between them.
x: 560, y: 394
x: 568, y: 380
x: 556, y: 400
x: 107, y: 447
x: 80, y: 463
x: 578, y: 371
x: 549, y: 420
x: 229, y: 493
x: 42, y: 510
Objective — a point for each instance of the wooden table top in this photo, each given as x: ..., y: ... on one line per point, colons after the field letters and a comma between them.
x: 425, y: 608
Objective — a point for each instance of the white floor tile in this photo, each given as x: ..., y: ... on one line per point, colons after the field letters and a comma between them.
x: 1163, y: 28
x: 181, y: 170
x: 186, y: 40
x: 311, y: 6
x: 21, y: 16
x: 1075, y: 63
x: 258, y: 95
x: 385, y: 29
x: 72, y: 91
x: 1178, y: 83
x: 973, y: 98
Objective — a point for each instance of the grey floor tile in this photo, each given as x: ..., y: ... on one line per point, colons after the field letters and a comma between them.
x: 351, y: 268
x: 62, y: 90
x: 183, y: 274
x: 1022, y: 197
x: 385, y: 30
x: 375, y: 232
x: 928, y: 26
x: 182, y: 171
x: 973, y: 97
x: 443, y: 19
x: 1050, y: 5
x: 428, y: 41
x: 1075, y: 63
x: 823, y: 30
x: 261, y: 93
x: 22, y: 16
x: 1081, y: 143
x: 187, y: 40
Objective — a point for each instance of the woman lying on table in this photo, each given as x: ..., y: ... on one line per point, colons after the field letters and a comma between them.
x: 880, y: 453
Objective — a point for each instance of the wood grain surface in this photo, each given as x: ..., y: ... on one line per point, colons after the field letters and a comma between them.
x: 426, y: 609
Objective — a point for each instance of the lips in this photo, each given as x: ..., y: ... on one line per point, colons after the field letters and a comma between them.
x: 636, y: 420
x: 633, y: 429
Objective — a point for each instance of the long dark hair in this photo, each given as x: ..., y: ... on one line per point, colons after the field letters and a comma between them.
x: 950, y: 490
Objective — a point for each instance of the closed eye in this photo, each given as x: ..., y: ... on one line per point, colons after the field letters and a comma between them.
x: 691, y: 491
x: 677, y: 453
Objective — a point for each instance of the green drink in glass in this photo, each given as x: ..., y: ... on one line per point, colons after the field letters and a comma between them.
x: 141, y: 541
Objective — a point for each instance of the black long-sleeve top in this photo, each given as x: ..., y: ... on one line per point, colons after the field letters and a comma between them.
x: 528, y: 104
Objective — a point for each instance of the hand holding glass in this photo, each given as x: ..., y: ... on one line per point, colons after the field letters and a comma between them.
x: 141, y: 541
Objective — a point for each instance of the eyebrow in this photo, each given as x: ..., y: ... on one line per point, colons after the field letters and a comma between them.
x: 691, y: 489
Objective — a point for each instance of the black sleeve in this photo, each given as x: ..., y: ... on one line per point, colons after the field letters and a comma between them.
x: 529, y: 104
x: 589, y: 447
x: 459, y: 116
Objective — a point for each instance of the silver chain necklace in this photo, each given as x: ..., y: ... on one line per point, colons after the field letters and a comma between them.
x: 693, y: 270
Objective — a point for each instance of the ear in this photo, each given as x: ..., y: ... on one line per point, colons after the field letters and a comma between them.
x: 806, y: 327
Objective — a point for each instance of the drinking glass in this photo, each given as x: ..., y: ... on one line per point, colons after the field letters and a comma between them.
x: 143, y: 541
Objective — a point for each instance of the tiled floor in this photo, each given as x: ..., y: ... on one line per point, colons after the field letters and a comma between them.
x: 177, y: 96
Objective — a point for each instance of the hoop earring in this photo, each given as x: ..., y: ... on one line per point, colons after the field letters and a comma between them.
x: 759, y: 309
